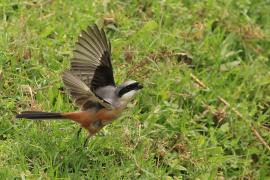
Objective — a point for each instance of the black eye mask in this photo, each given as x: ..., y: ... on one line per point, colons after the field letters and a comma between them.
x: 126, y: 89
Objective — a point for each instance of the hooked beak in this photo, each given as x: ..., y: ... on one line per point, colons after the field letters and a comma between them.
x: 140, y: 86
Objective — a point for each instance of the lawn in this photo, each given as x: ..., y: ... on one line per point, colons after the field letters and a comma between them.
x: 204, y: 110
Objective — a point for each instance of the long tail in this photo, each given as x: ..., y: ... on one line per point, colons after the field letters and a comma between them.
x: 84, y: 118
x: 40, y: 115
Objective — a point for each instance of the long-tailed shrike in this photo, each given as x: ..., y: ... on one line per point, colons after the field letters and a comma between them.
x: 90, y: 84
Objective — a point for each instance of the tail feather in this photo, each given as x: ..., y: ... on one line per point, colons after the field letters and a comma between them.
x: 39, y: 115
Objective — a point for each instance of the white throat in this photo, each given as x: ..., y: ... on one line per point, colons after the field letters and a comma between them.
x: 127, y: 97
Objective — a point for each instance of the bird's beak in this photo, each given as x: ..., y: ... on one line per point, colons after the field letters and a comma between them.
x: 140, y: 86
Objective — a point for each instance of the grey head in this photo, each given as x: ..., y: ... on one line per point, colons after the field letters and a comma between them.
x: 121, y: 95
x: 126, y: 91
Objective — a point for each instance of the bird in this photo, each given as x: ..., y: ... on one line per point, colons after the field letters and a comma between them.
x: 91, y: 86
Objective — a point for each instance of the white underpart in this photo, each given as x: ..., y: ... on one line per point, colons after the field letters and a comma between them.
x: 127, y: 97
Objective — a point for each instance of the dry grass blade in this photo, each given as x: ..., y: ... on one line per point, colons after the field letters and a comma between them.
x: 197, y: 81
x: 256, y: 133
x: 254, y: 130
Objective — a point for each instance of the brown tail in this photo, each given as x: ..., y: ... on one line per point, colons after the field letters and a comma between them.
x: 84, y: 118
x: 39, y: 115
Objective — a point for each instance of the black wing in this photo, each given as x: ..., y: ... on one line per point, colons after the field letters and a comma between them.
x: 92, y: 59
x: 91, y: 65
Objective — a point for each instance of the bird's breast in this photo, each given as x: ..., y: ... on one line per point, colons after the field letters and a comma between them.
x: 108, y: 114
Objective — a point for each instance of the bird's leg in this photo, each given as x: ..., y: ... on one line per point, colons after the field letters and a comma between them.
x: 86, y: 141
x: 93, y: 128
x: 79, y: 132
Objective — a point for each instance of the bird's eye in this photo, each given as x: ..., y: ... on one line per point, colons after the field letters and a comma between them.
x: 130, y: 87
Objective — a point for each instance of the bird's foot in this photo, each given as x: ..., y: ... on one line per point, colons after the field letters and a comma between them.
x: 86, y: 141
x: 79, y: 132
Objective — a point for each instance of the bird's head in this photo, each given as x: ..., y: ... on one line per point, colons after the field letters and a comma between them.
x: 126, y: 91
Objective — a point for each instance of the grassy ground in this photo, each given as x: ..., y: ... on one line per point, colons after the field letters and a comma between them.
x: 178, y: 127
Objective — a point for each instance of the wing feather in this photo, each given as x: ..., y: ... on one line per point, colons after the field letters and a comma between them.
x: 79, y: 92
x: 91, y: 68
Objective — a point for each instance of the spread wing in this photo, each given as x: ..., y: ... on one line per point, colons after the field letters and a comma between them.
x: 91, y: 69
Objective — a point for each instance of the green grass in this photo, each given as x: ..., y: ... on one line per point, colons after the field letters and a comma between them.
x: 174, y: 129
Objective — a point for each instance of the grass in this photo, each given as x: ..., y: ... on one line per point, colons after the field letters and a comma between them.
x: 176, y: 128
